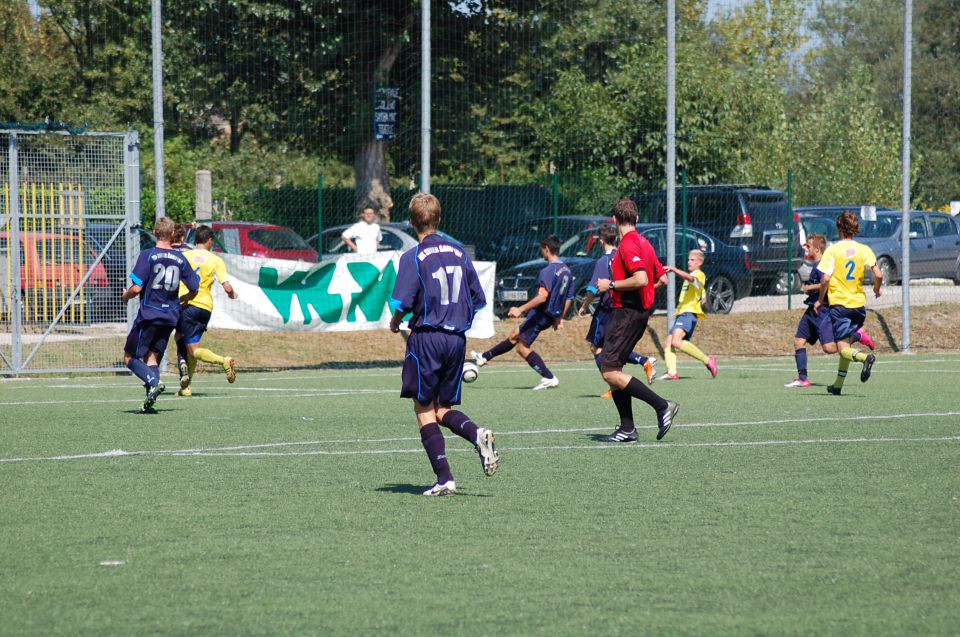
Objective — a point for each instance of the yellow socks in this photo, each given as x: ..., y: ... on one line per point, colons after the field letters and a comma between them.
x: 850, y: 354
x: 690, y: 349
x: 842, y: 372
x: 205, y: 355
x: 670, y: 356
x: 191, y: 365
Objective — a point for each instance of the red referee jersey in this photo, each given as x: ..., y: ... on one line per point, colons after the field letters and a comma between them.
x: 634, y: 254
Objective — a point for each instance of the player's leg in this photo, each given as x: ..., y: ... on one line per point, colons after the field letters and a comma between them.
x: 134, y: 350
x: 419, y: 381
x: 524, y: 347
x: 674, y: 339
x: 183, y: 366
x: 435, y: 447
x: 800, y: 357
x: 861, y: 336
x: 851, y: 323
x: 625, y: 331
x: 502, y: 347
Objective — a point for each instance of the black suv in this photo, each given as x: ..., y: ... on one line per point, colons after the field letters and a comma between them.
x: 754, y: 216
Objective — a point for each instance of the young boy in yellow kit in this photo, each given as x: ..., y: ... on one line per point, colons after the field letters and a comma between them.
x: 689, y: 312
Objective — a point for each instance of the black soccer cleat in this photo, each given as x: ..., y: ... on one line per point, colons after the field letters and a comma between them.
x: 833, y: 390
x: 152, y: 396
x: 665, y: 419
x: 622, y: 436
x: 867, y: 367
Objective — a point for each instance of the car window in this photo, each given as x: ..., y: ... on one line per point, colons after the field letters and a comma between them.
x: 919, y: 227
x: 820, y: 225
x: 943, y: 226
x: 767, y: 209
x: 585, y: 244
x: 714, y: 210
x: 229, y: 238
x: 390, y: 241
x: 882, y: 228
x: 694, y: 241
x: 278, y: 239
x: 656, y: 239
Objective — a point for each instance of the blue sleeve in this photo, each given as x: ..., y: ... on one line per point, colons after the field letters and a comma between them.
x: 408, y: 282
x: 141, y: 270
x: 600, y: 271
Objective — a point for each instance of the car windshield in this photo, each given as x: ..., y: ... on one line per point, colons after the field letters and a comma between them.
x: 585, y: 244
x: 279, y: 239
x: 410, y: 230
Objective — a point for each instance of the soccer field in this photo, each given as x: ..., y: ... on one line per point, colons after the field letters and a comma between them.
x: 289, y: 503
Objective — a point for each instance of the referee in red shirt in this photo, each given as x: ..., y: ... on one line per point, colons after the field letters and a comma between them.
x: 636, y: 273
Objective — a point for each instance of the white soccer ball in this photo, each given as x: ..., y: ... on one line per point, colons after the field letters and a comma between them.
x: 470, y: 372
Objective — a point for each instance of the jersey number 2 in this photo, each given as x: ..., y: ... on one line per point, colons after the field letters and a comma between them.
x: 850, y: 267
x: 449, y: 288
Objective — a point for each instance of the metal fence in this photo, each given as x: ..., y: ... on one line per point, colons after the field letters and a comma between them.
x: 69, y: 209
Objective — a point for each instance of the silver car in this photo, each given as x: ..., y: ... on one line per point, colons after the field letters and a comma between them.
x: 397, y: 235
x: 934, y: 241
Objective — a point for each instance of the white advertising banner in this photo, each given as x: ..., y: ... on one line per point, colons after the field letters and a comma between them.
x: 346, y: 294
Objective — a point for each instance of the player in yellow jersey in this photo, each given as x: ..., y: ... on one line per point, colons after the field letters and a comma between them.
x: 689, y: 311
x: 196, y: 314
x: 843, y: 265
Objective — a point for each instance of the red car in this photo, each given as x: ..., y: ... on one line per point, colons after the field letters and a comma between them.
x: 254, y: 239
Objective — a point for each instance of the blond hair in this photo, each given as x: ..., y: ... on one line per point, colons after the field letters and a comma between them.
x: 424, y: 212
x: 163, y: 228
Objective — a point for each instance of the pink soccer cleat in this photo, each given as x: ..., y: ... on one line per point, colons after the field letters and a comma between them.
x: 865, y: 339
x: 712, y: 365
x: 669, y: 376
x: 796, y: 382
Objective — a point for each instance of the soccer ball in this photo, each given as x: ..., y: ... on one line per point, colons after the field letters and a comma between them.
x: 470, y: 372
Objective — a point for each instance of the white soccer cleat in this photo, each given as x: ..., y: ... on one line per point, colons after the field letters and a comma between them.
x: 478, y: 358
x: 487, y: 449
x: 547, y: 383
x: 442, y: 488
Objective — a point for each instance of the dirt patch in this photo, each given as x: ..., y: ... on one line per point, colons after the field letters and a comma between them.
x: 933, y: 329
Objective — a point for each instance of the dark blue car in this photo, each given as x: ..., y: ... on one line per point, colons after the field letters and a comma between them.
x: 728, y: 268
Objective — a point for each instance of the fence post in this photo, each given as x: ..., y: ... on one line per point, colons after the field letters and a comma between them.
x: 790, y: 239
x: 16, y: 304
x: 556, y: 199
x: 319, y: 217
x: 683, y: 208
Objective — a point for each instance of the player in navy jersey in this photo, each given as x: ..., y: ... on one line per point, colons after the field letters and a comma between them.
x: 437, y: 283
x: 156, y: 280
x: 546, y: 309
x: 607, y: 235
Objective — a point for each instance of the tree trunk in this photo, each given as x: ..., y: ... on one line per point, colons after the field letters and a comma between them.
x: 370, y: 167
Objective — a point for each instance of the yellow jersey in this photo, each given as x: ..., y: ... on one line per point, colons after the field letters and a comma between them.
x: 845, y: 262
x: 692, y: 294
x: 208, y: 266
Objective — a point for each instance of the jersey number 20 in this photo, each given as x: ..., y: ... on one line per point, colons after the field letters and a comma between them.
x: 449, y: 278
x: 167, y: 277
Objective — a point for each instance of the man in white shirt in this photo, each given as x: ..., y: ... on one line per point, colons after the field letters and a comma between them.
x: 364, y: 236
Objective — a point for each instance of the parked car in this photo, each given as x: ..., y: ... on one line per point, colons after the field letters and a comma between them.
x: 257, y: 240
x: 522, y: 241
x: 397, y: 235
x: 52, y: 265
x: 728, y: 268
x: 752, y: 216
x: 934, y: 241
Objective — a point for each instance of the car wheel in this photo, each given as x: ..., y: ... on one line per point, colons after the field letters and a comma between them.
x: 721, y: 294
x: 887, y: 269
x: 785, y: 283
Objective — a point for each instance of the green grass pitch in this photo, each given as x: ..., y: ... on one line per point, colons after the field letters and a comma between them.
x: 289, y: 503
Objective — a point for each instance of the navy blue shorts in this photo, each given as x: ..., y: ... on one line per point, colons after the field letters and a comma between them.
x: 846, y: 321
x: 598, y: 327
x: 536, y: 322
x: 146, y: 337
x: 686, y: 322
x: 193, y: 323
x: 432, y: 367
x: 813, y: 327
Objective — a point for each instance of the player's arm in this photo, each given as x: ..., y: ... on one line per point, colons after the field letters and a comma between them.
x: 349, y: 242
x: 662, y: 281
x: 635, y: 281
x: 587, y: 300
x: 229, y: 290
x: 877, y: 280
x: 558, y: 322
x: 535, y: 302
x: 824, y: 286
x: 686, y: 276
x: 130, y: 292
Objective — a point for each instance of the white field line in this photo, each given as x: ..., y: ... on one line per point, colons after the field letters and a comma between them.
x: 317, y: 393
x: 248, y: 450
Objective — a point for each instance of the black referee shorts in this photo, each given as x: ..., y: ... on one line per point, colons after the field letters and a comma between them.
x: 624, y: 331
